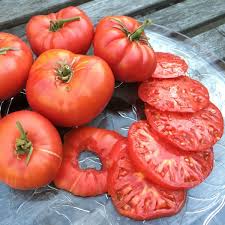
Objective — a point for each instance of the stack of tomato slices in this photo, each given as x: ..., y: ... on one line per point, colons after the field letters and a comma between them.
x: 169, y: 152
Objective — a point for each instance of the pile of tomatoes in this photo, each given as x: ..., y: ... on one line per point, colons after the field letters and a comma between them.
x: 147, y: 173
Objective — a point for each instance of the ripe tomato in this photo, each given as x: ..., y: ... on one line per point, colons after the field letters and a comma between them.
x: 88, y: 182
x: 165, y: 164
x: 121, y: 42
x: 15, y: 62
x: 31, y: 150
x: 70, y: 29
x: 181, y: 94
x: 169, y: 65
x: 188, y: 131
x: 136, y: 197
x: 69, y: 89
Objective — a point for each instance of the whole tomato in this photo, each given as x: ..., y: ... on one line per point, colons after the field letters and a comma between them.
x: 15, y: 62
x: 31, y: 150
x: 69, y: 89
x: 70, y: 29
x: 121, y: 42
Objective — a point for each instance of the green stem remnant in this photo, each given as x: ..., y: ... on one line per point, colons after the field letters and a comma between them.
x: 23, y: 144
x: 136, y: 35
x: 58, y: 24
x: 3, y: 51
x: 64, y: 73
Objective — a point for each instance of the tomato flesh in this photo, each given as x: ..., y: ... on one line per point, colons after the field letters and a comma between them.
x: 181, y: 94
x: 134, y: 196
x: 169, y: 65
x: 190, y: 131
x: 88, y: 182
x: 165, y: 164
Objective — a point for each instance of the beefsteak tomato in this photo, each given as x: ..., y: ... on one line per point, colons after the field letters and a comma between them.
x: 121, y: 42
x: 31, y: 150
x: 70, y: 29
x: 69, y: 89
x: 15, y: 62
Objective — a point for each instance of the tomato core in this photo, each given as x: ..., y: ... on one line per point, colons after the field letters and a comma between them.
x: 58, y: 24
x: 23, y: 144
x: 64, y: 73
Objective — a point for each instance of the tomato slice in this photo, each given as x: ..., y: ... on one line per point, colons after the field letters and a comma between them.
x: 163, y: 163
x: 88, y: 182
x: 190, y: 132
x: 169, y: 65
x: 181, y: 94
x: 136, y: 197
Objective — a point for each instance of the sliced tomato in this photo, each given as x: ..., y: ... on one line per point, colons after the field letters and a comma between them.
x: 163, y: 163
x: 188, y: 131
x: 169, y: 65
x: 181, y: 94
x: 136, y: 197
x: 88, y: 182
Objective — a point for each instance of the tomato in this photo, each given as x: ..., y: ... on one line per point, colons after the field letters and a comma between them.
x: 121, y: 42
x: 165, y: 164
x: 175, y: 95
x: 31, y: 150
x: 15, y: 62
x: 136, y: 197
x: 169, y: 65
x: 88, y: 182
x: 69, y: 89
x: 70, y: 29
x: 188, y: 131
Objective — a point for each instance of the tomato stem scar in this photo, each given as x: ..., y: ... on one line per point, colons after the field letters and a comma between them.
x: 58, y: 24
x: 23, y: 144
x: 64, y: 72
x: 3, y: 51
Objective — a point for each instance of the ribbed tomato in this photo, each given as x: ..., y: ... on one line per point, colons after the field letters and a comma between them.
x: 70, y: 29
x: 121, y: 42
x: 31, y: 150
x: 15, y: 62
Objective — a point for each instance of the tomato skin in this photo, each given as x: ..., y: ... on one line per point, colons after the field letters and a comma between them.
x: 75, y: 36
x: 131, y: 61
x: 14, y: 65
x: 69, y: 103
x: 45, y: 159
x: 88, y: 182
x: 136, y: 197
x: 165, y: 164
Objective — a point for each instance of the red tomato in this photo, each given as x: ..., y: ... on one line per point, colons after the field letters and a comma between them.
x: 169, y: 65
x: 121, y: 42
x: 181, y: 94
x: 69, y: 89
x: 188, y: 131
x: 31, y: 150
x: 165, y: 164
x: 136, y: 197
x: 15, y: 62
x: 88, y: 182
x: 70, y: 29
